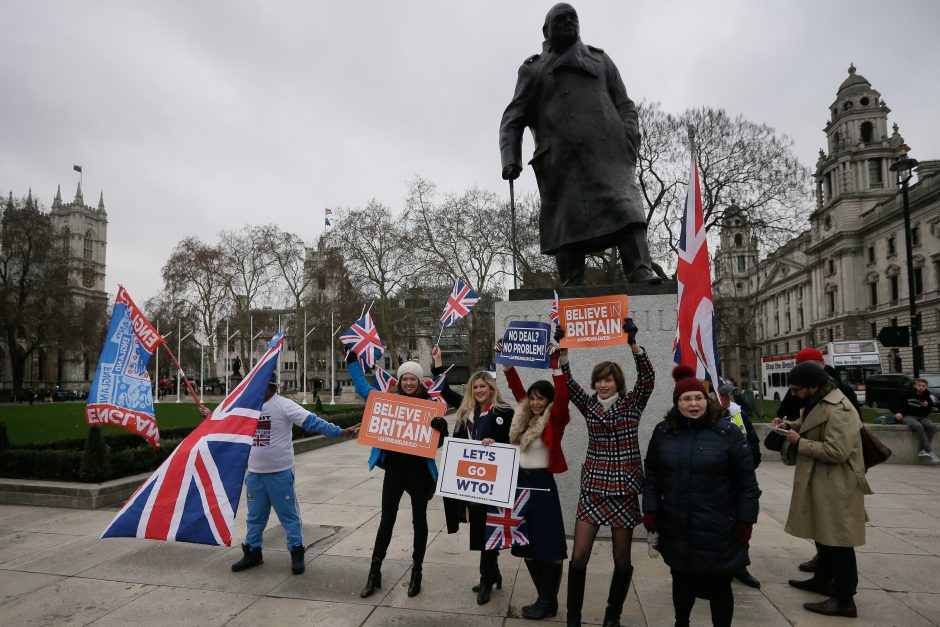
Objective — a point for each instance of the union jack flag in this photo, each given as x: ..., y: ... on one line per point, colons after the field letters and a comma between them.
x: 507, y: 527
x: 384, y: 380
x: 194, y: 494
x: 435, y: 388
x: 459, y: 303
x: 363, y: 339
x: 696, y: 342
x: 553, y: 316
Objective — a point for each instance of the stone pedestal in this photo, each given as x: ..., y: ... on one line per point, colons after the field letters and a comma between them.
x: 653, y: 308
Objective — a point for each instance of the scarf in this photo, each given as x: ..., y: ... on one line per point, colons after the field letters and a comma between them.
x: 526, y: 427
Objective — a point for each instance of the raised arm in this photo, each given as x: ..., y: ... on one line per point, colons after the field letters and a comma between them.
x: 358, y: 378
x: 645, y: 379
x: 560, y: 415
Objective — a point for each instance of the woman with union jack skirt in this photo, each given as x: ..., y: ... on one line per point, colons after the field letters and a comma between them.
x: 403, y: 473
x: 537, y: 428
x: 612, y: 474
x: 482, y: 415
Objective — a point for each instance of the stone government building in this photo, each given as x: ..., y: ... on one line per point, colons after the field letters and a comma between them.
x: 846, y: 276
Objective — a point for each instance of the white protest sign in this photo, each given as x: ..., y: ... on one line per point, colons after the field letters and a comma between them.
x: 480, y: 474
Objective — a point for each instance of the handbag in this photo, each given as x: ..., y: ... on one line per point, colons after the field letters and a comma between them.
x: 874, y: 451
x: 774, y: 441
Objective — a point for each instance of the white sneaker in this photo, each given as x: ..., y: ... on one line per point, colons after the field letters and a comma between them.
x: 934, y: 458
x: 924, y: 453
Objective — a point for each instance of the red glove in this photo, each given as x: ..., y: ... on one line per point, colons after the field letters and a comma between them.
x: 649, y: 521
x: 742, y: 533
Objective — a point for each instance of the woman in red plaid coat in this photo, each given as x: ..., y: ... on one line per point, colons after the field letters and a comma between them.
x: 612, y: 474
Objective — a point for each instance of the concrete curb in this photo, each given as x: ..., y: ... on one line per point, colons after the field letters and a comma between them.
x: 97, y: 495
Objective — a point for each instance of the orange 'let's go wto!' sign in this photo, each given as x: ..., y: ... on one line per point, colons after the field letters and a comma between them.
x: 594, y: 321
x: 400, y: 423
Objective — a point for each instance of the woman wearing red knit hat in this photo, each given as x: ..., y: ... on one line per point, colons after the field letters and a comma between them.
x: 701, y: 496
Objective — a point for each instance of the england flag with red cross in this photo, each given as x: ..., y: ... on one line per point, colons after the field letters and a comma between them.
x: 506, y: 527
x: 696, y: 342
x: 362, y: 338
x: 459, y: 303
x: 194, y: 494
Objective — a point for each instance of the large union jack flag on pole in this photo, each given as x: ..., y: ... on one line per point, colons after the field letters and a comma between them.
x: 459, y: 303
x: 194, y: 494
x: 362, y: 338
x: 696, y: 342
x: 507, y: 527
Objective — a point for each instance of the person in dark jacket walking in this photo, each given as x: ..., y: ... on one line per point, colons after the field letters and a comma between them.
x: 403, y: 473
x: 483, y: 415
x: 612, y: 475
x: 701, y: 496
x: 538, y: 426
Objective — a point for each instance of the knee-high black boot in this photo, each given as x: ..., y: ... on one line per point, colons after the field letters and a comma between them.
x: 382, y: 539
x: 576, y: 578
x: 488, y: 569
x: 619, y: 586
x: 547, y: 578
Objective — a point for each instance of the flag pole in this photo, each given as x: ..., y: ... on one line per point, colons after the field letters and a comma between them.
x: 512, y: 217
x: 439, y: 336
x: 180, y: 373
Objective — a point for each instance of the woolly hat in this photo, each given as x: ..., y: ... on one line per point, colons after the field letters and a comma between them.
x: 685, y: 382
x: 412, y: 368
x: 807, y: 375
x: 809, y: 354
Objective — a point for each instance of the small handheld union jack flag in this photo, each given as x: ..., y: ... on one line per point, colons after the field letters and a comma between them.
x: 435, y: 388
x: 194, y: 494
x: 384, y: 380
x: 507, y: 527
x: 553, y: 316
x: 459, y: 303
x: 362, y: 338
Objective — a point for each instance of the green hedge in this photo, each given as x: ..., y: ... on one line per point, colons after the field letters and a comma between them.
x: 113, y: 456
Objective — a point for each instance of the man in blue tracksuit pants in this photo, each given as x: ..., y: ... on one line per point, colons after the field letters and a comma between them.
x: 270, y: 478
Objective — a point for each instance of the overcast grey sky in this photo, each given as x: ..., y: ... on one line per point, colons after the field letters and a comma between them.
x: 198, y: 116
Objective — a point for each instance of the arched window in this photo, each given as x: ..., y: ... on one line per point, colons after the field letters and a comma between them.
x: 89, y: 250
x: 66, y: 240
x: 867, y: 132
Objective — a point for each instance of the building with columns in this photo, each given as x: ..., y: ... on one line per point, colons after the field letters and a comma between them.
x: 846, y: 276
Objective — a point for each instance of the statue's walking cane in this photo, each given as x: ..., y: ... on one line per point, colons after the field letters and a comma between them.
x: 512, y: 217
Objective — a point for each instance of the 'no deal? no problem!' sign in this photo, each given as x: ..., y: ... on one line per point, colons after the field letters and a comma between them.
x: 400, y: 423
x: 480, y: 474
x: 594, y: 321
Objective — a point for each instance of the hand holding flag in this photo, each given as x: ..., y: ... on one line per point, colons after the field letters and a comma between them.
x: 363, y: 340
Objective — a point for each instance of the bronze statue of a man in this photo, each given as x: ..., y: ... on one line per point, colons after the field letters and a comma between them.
x: 586, y: 133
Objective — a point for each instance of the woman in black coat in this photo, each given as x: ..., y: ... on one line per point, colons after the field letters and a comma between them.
x: 701, y: 496
x: 482, y: 415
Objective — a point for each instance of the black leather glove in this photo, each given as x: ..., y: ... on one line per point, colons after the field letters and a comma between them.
x: 441, y: 425
x: 559, y: 333
x: 630, y: 328
x: 511, y: 172
x: 351, y: 357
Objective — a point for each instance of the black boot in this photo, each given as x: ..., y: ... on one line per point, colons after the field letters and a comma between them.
x: 488, y: 570
x: 576, y: 577
x: 497, y: 579
x: 251, y: 558
x: 747, y: 579
x: 619, y: 586
x: 544, y: 576
x: 297, y: 559
x: 414, y: 586
x: 374, y: 581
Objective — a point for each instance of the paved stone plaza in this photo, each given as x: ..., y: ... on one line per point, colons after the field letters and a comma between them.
x: 54, y: 570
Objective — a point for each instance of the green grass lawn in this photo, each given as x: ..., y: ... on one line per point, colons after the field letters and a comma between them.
x: 47, y: 422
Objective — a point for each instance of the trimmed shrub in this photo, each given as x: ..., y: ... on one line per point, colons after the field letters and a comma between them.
x: 96, y: 458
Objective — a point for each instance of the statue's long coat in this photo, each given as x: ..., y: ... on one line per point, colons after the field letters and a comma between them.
x: 586, y: 135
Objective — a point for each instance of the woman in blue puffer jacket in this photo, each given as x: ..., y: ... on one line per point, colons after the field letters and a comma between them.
x: 701, y: 496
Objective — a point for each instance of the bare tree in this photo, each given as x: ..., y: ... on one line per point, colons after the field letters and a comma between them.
x: 33, y: 278
x: 464, y: 236
x: 741, y: 163
x: 194, y: 275
x: 380, y: 260
x: 246, y: 265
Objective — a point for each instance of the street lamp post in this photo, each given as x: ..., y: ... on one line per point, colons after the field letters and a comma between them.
x: 202, y: 374
x: 306, y: 335
x: 904, y: 167
x: 228, y: 338
x: 179, y: 351
x: 156, y: 367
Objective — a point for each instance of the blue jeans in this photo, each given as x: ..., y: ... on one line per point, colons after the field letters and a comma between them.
x: 272, y: 489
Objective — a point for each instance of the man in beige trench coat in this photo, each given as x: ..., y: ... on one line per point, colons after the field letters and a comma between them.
x: 829, y: 487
